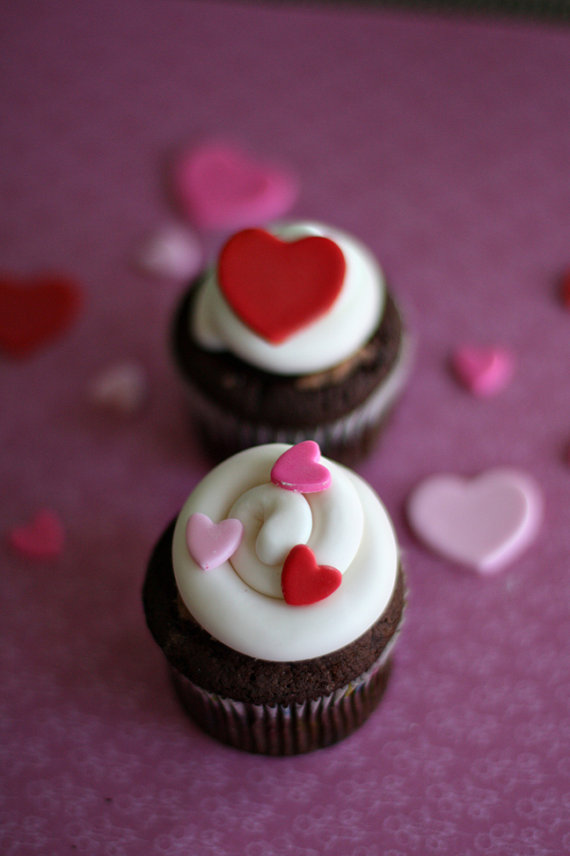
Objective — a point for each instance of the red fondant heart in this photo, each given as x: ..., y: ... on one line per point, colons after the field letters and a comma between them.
x: 41, y: 538
x: 34, y: 311
x: 303, y: 581
x: 278, y: 287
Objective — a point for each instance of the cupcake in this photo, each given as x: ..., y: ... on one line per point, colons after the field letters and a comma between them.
x: 293, y: 335
x: 276, y: 597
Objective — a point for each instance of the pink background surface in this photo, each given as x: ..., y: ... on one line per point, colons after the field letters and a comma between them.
x: 445, y: 145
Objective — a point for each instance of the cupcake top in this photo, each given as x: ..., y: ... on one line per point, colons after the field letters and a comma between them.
x: 283, y: 555
x: 295, y: 299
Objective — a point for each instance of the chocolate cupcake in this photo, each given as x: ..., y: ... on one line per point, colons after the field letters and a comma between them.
x: 293, y: 335
x: 276, y: 597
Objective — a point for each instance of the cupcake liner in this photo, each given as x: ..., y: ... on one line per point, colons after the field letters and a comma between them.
x: 343, y: 438
x: 289, y: 729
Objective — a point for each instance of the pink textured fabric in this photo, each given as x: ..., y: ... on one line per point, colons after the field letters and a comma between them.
x: 444, y: 144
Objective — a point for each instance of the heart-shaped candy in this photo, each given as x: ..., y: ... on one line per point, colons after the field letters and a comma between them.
x: 34, y: 311
x: 221, y: 187
x: 41, y: 538
x: 565, y: 288
x: 278, y: 287
x: 211, y: 544
x: 173, y: 252
x: 483, y: 371
x: 121, y: 388
x: 303, y: 581
x: 299, y: 469
x: 483, y: 523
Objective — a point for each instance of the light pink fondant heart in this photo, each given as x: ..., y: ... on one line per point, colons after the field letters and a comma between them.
x: 221, y: 187
x: 41, y: 538
x: 483, y: 371
x: 173, y: 252
x: 483, y: 523
x: 299, y: 469
x: 211, y: 544
x: 121, y: 388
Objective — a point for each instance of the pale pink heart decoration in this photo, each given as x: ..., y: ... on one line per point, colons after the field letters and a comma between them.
x: 41, y: 538
x: 484, y: 522
x: 211, y: 544
x: 221, y: 187
x: 173, y: 253
x: 299, y: 469
x: 121, y: 388
x: 484, y: 370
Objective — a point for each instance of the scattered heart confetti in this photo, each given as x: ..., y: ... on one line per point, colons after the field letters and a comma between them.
x: 173, y: 252
x: 483, y: 371
x: 35, y: 310
x: 41, y: 538
x: 221, y: 187
x: 121, y: 388
x: 483, y: 523
x: 304, y: 581
x: 211, y: 544
x: 278, y: 287
x: 299, y: 469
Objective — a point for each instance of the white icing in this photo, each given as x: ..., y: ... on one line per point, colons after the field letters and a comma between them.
x: 350, y: 530
x: 321, y: 345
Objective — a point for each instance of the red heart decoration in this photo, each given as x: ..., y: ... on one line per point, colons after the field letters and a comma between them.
x: 41, y: 538
x: 303, y: 581
x: 34, y: 311
x: 278, y: 287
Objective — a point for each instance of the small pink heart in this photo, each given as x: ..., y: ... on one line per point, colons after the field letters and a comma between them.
x: 121, y: 388
x: 483, y: 371
x: 299, y: 469
x: 211, y: 544
x: 220, y: 187
x: 42, y: 538
x: 173, y: 252
x: 483, y: 523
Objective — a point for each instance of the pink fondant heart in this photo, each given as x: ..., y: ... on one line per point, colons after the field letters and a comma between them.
x: 173, y: 252
x: 483, y: 523
x: 121, y: 388
x: 221, y: 187
x: 42, y: 538
x: 303, y: 581
x: 299, y: 469
x: 278, y: 287
x: 211, y: 544
x: 483, y: 371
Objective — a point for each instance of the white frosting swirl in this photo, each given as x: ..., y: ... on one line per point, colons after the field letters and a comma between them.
x: 241, y: 604
x: 332, y: 338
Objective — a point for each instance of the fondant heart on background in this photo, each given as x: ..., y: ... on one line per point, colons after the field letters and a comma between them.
x: 221, y: 187
x: 278, y: 287
x: 304, y: 581
x: 41, y: 538
x: 483, y: 370
x: 299, y: 469
x: 36, y: 310
x: 211, y: 544
x: 483, y: 523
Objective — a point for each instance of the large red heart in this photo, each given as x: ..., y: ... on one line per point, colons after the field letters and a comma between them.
x: 278, y: 287
x: 303, y: 581
x: 34, y: 311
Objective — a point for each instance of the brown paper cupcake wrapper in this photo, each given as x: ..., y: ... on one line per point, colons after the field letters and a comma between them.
x: 286, y: 729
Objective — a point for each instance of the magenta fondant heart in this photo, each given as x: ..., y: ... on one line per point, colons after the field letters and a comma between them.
x: 220, y: 187
x: 299, y: 469
x: 483, y: 371
x: 211, y: 544
x: 483, y: 523
x: 41, y: 538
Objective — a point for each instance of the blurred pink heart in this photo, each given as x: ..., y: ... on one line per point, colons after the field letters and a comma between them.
x: 221, y: 187
x: 41, y: 538
x: 483, y: 523
x: 173, y: 252
x: 483, y: 371
x: 211, y: 544
x: 121, y: 388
